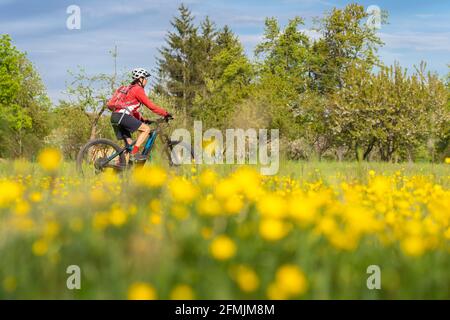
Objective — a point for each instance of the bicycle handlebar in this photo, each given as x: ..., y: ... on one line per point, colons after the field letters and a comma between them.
x: 158, y: 121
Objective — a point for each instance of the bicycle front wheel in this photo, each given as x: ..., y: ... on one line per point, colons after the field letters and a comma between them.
x: 180, y: 153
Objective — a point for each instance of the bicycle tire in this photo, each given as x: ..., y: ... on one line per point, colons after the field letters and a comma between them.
x: 170, y: 155
x: 87, y: 146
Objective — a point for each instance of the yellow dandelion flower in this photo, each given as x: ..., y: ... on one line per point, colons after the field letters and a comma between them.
x: 223, y: 248
x: 275, y: 292
x: 182, y: 190
x: 149, y: 176
x: 206, y: 233
x: 226, y: 188
x: 51, y: 229
x: 155, y: 206
x: 179, y: 211
x: 22, y: 208
x: 413, y: 246
x: 247, y: 279
x: 117, y: 217
x: 9, y: 192
x: 273, y: 229
x: 100, y: 221
x: 99, y: 196
x: 234, y: 204
x: 303, y: 209
x: 155, y: 218
x: 272, y: 206
x: 40, y: 247
x: 291, y: 279
x: 141, y: 291
x: 182, y: 292
x: 209, y: 206
x: 36, y: 197
x: 207, y: 178
x: 50, y: 159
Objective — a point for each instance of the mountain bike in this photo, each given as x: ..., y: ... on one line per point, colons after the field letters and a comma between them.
x: 100, y: 154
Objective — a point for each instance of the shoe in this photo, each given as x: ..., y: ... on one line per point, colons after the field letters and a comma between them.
x: 137, y: 157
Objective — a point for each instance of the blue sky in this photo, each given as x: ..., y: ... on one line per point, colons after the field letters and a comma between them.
x: 417, y: 30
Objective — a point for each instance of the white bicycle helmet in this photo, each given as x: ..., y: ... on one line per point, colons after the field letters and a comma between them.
x: 140, y: 73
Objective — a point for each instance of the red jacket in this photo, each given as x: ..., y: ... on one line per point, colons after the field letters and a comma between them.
x: 133, y: 100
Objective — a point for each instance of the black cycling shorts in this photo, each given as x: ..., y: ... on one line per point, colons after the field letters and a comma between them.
x: 127, y: 126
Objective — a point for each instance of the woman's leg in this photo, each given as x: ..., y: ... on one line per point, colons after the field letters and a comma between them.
x: 144, y: 131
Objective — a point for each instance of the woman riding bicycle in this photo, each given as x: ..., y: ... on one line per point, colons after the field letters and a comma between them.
x: 126, y: 118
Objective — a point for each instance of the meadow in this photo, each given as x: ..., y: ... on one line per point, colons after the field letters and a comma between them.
x: 225, y: 232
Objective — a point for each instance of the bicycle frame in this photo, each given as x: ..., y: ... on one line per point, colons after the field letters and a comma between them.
x: 150, y: 142
x: 147, y: 147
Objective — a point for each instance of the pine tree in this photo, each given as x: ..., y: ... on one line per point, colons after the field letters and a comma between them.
x: 207, y: 51
x: 227, y: 81
x: 179, y: 62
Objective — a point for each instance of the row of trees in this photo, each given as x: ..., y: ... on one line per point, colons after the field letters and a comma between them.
x: 24, y: 105
x: 331, y: 96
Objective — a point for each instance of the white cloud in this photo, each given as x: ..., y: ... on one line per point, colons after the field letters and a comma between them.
x: 312, y: 34
x: 250, y: 38
x: 418, y: 41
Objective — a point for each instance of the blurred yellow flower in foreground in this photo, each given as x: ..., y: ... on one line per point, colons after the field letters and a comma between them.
x: 413, y: 246
x: 51, y: 229
x: 22, y: 208
x: 9, y: 192
x: 155, y: 218
x: 273, y: 229
x: 182, y: 190
x: 223, y: 248
x: 141, y: 291
x: 447, y: 160
x: 149, y: 176
x: 290, y: 281
x: 272, y: 206
x: 209, y: 206
x: 36, y: 197
x: 117, y: 217
x: 50, y: 159
x: 182, y: 292
x: 207, y: 178
x: 246, y: 278
x: 40, y: 247
x: 179, y: 211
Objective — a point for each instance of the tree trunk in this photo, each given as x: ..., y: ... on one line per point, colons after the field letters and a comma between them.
x: 95, y: 124
x: 369, y: 149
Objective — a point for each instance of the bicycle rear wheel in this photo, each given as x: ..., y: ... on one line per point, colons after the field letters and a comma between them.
x: 93, y: 157
x: 179, y: 153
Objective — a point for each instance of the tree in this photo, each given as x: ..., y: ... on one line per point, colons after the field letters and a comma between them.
x: 345, y: 40
x: 227, y: 81
x: 90, y: 94
x: 390, y: 111
x: 284, y: 56
x: 23, y: 103
x: 282, y: 72
x: 179, y: 65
